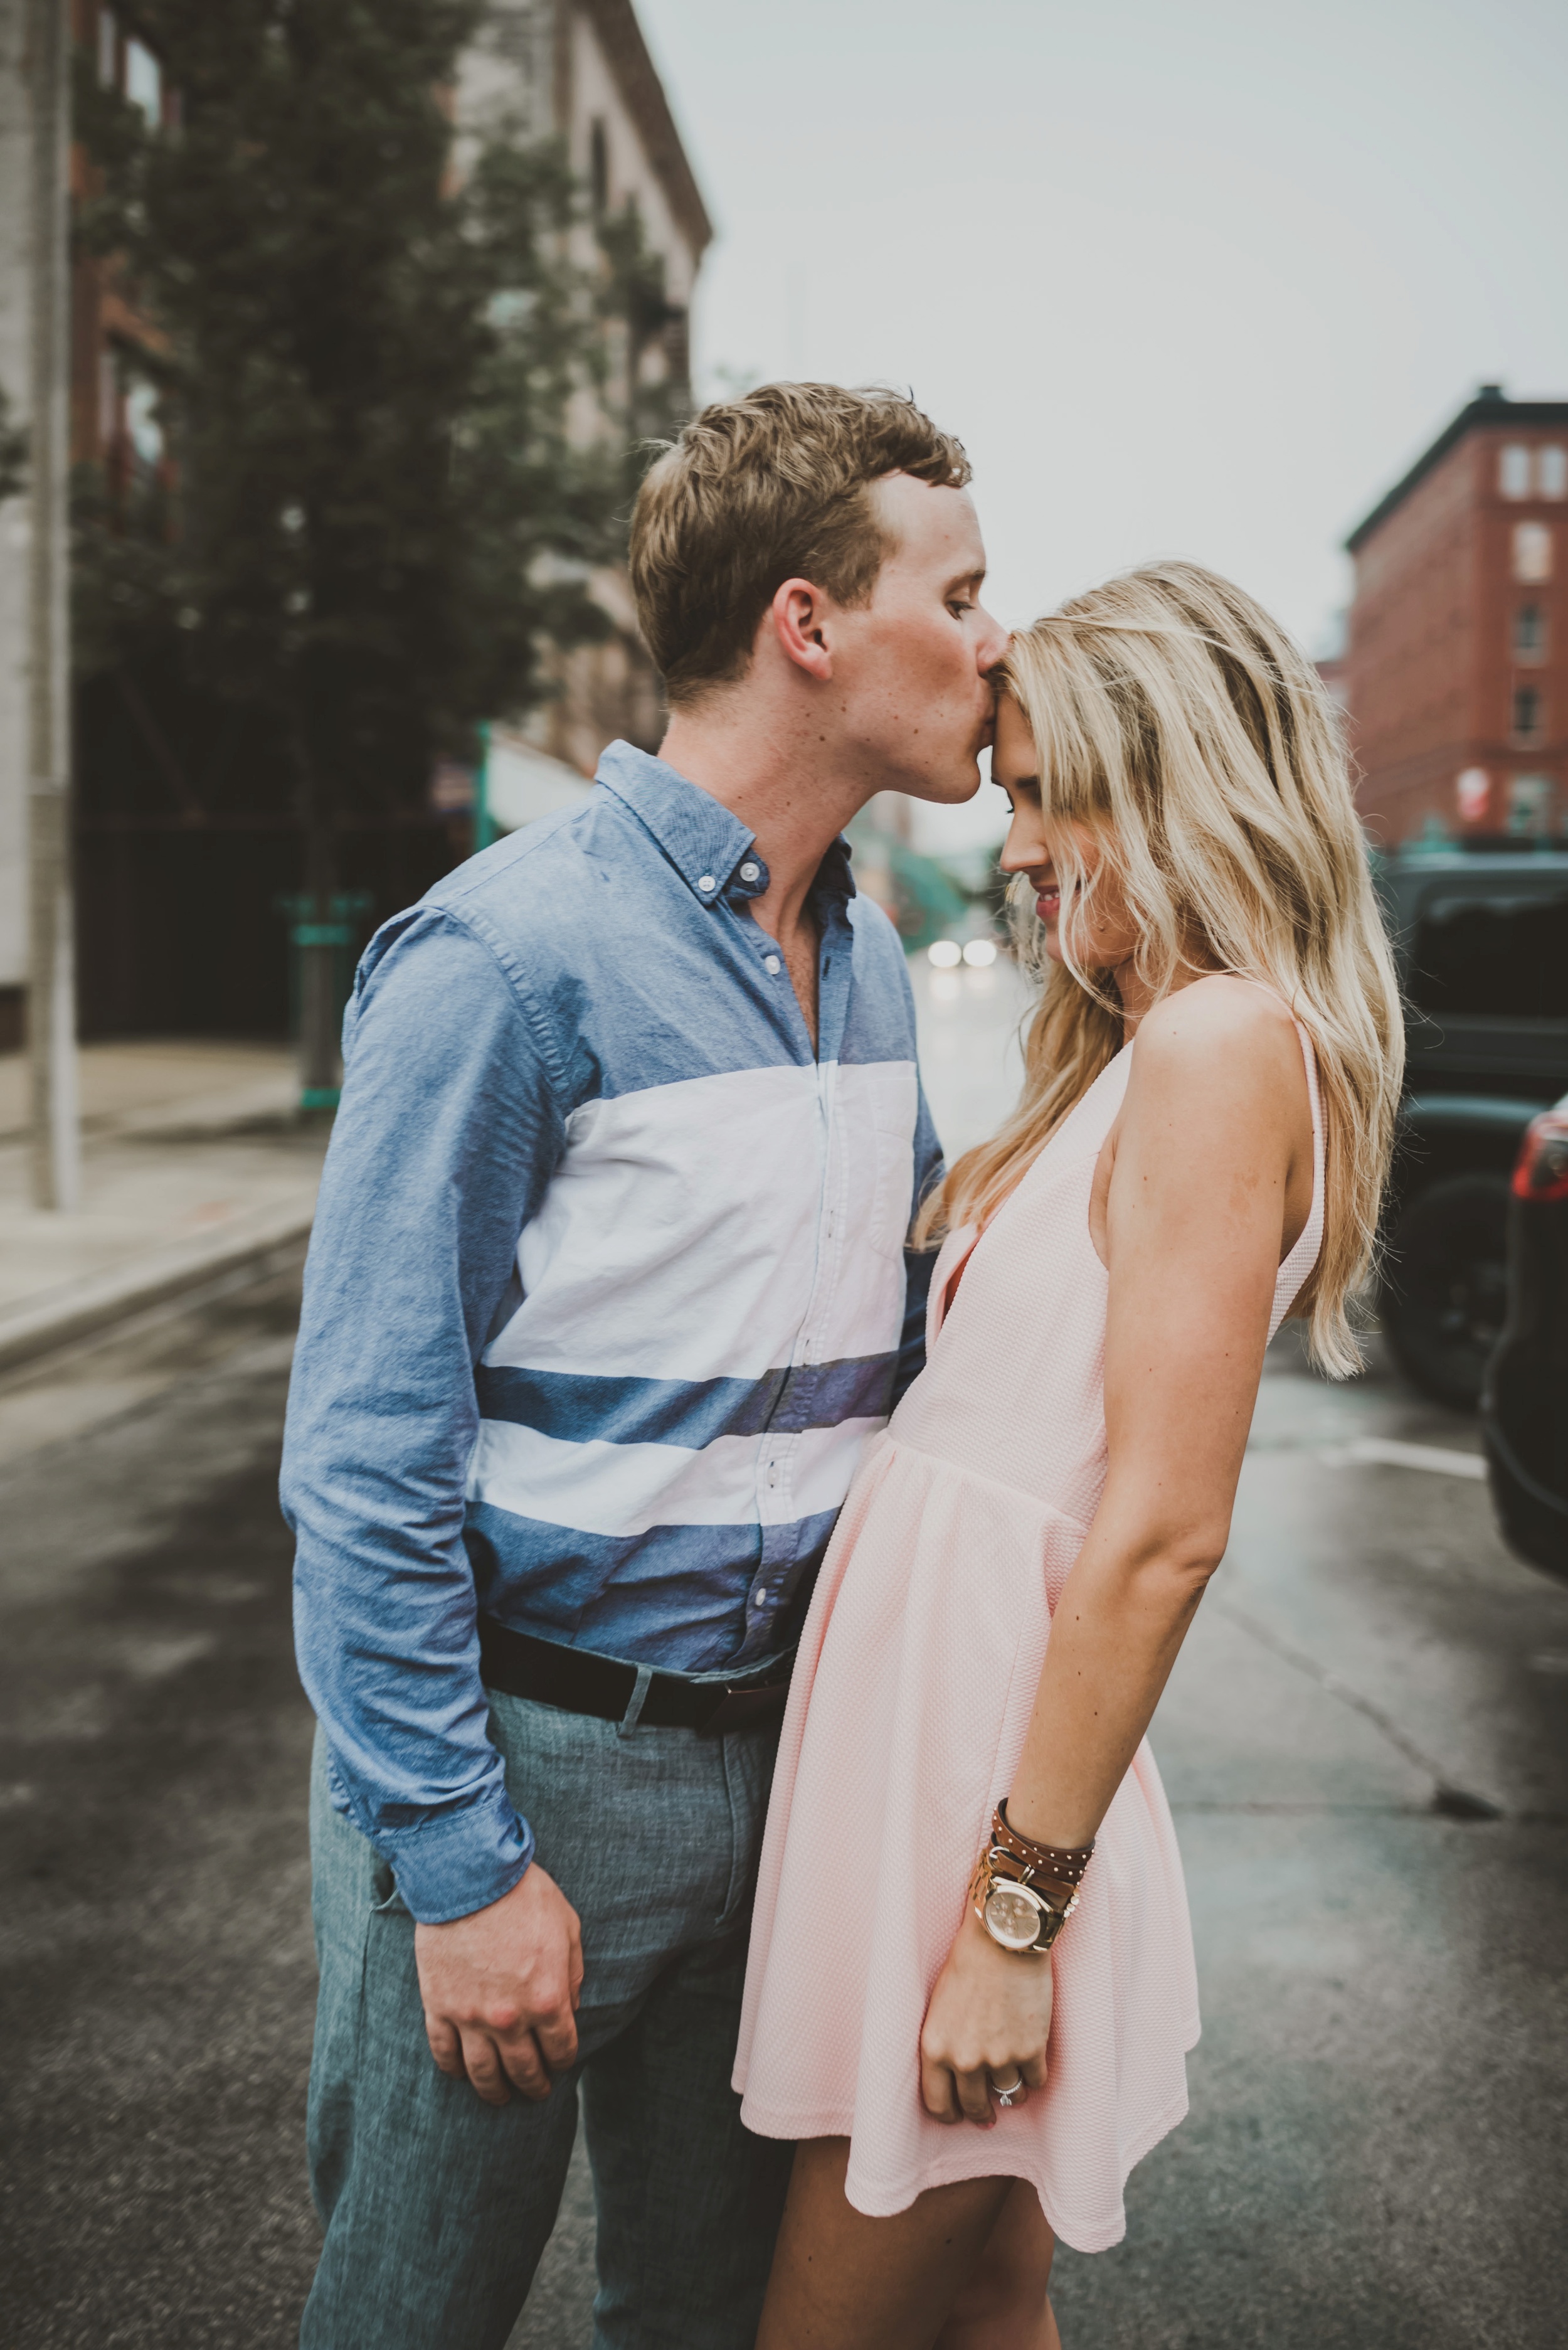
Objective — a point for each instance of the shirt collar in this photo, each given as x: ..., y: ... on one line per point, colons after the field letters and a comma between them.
x: 705, y: 843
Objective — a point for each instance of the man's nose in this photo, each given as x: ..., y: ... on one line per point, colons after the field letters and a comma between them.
x: 993, y: 644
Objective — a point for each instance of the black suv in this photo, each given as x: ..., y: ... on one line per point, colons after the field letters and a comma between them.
x: 1482, y: 945
x: 1524, y: 1411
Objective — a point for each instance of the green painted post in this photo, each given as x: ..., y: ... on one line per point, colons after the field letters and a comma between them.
x: 484, y: 827
x: 339, y: 936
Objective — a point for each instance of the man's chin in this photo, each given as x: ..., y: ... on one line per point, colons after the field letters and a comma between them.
x: 951, y: 789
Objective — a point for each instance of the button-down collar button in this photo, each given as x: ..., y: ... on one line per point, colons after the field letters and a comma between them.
x: 750, y: 869
x: 771, y: 964
x: 706, y: 881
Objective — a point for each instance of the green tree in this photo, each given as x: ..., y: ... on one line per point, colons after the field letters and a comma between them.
x: 362, y: 349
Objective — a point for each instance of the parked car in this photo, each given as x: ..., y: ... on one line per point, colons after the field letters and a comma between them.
x: 1481, y: 940
x: 1524, y: 1409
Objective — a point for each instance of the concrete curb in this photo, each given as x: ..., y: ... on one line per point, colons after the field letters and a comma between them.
x: 84, y: 1306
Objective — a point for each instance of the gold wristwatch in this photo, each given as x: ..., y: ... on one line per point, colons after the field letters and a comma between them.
x: 1023, y: 1893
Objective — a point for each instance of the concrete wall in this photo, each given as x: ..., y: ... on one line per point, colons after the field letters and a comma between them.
x: 16, y: 146
x: 595, y: 93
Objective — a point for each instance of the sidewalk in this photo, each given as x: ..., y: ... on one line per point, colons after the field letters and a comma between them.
x: 194, y: 1169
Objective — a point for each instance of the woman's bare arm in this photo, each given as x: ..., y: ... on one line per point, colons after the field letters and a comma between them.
x: 1211, y: 1184
x: 1216, y: 1124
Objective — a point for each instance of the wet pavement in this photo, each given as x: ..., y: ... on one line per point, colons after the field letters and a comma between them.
x: 1365, y: 1743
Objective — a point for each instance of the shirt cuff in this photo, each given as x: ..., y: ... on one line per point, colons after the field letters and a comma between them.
x: 456, y: 1862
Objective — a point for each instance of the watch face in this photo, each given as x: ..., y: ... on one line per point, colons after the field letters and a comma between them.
x: 1010, y: 1917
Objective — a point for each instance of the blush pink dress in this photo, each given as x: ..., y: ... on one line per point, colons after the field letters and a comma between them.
x: 915, y: 1681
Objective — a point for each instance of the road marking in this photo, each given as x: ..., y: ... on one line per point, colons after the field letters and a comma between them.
x: 1441, y: 1459
x: 1447, y: 1801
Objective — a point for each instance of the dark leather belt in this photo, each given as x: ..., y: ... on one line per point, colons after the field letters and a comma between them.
x: 579, y: 1682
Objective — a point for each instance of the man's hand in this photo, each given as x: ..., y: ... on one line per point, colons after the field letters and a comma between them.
x: 501, y: 1989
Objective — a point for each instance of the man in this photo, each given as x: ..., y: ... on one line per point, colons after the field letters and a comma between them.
x: 608, y: 1289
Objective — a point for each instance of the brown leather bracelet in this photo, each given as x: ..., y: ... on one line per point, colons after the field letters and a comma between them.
x: 1056, y: 1864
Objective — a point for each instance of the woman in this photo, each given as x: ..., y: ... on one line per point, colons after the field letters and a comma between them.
x: 1207, y: 1115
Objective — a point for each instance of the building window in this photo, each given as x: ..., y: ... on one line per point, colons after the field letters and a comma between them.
x: 1532, y: 551
x: 1551, y: 471
x: 678, y: 353
x: 598, y: 165
x: 1530, y: 801
x: 1526, y: 712
x: 1513, y: 471
x: 144, y: 83
x: 143, y: 426
x: 1528, y: 632
x: 1472, y: 795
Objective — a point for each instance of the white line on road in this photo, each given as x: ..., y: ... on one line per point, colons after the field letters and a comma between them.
x: 1441, y: 1459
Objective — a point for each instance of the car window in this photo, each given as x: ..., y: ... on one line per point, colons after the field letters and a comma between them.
x: 1504, y: 956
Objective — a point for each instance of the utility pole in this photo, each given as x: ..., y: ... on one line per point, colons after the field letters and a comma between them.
x: 51, y: 979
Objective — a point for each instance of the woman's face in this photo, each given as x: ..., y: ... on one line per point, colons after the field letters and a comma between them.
x: 1107, y: 939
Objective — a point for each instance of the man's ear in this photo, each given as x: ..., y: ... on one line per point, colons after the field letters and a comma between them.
x: 797, y: 616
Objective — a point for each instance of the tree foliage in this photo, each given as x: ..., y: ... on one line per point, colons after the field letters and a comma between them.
x: 371, y: 510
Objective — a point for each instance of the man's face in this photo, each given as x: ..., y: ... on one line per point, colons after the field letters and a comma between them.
x: 913, y: 667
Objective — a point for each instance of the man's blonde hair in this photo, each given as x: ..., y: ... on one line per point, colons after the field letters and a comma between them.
x: 1179, y: 726
x: 757, y: 491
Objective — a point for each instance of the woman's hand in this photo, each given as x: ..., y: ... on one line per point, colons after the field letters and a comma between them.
x: 990, y: 2010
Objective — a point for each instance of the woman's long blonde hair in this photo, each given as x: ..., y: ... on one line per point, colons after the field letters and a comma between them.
x: 1179, y: 725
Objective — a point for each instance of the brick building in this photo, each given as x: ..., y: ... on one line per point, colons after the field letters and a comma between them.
x: 1456, y: 671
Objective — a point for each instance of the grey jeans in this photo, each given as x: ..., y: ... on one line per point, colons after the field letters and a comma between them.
x: 436, y: 2206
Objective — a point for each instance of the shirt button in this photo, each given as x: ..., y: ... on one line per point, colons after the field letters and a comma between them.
x: 750, y: 871
x: 706, y: 881
x: 770, y: 966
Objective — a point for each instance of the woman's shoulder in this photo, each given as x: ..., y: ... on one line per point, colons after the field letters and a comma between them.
x: 1218, y: 1029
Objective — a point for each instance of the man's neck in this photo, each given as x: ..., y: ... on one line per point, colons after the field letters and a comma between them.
x: 784, y: 790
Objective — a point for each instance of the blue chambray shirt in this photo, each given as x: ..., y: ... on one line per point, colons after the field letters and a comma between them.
x: 607, y: 1290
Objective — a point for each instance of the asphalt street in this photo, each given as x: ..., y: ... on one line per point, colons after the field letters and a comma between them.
x: 1367, y: 1746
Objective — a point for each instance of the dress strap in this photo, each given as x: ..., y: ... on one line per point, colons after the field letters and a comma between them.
x: 1298, y: 1264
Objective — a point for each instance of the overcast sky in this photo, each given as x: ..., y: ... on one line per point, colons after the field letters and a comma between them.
x: 1195, y: 279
